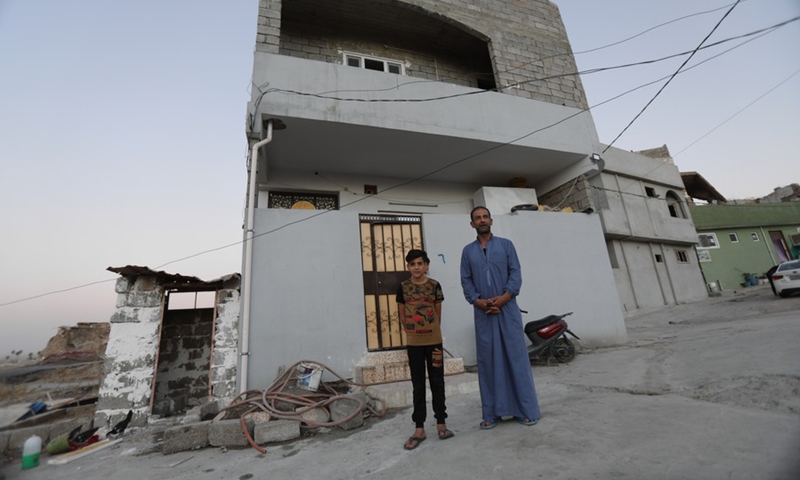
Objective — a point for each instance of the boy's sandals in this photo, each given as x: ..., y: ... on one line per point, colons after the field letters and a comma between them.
x: 444, y: 433
x: 413, y: 442
x: 527, y: 421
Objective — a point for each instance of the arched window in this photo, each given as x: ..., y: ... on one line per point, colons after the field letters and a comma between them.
x: 674, y: 205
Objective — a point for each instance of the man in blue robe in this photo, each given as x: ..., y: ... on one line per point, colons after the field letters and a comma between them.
x: 491, y: 278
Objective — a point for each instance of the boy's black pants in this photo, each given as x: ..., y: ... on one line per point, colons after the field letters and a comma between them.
x: 420, y: 357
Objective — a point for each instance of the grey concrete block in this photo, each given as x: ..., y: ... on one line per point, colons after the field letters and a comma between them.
x: 277, y: 431
x: 211, y: 409
x: 343, y: 408
x: 186, y: 437
x: 228, y: 433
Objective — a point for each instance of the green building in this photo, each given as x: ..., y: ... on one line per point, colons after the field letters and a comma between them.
x: 737, y: 240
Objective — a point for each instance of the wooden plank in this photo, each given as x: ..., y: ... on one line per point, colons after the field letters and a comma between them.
x: 68, y: 457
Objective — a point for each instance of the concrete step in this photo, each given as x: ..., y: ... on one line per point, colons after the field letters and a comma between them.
x: 400, y: 394
x: 379, y: 367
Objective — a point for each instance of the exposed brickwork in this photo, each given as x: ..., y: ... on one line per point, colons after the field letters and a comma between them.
x: 519, y: 46
x: 574, y: 193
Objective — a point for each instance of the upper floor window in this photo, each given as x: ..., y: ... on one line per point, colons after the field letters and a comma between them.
x: 373, y: 63
x: 683, y: 257
x: 733, y: 237
x: 674, y: 205
x: 707, y: 240
x: 754, y: 236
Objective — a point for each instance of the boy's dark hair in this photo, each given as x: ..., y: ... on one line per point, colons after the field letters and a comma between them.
x: 415, y: 254
x: 479, y: 207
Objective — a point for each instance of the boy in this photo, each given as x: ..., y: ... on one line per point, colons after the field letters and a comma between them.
x: 419, y: 302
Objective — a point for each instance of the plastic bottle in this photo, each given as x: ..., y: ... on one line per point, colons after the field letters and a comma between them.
x: 31, y: 452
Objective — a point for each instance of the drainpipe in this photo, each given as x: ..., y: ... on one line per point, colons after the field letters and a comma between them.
x: 248, y: 259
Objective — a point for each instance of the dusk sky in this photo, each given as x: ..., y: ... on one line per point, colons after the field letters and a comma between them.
x: 122, y: 134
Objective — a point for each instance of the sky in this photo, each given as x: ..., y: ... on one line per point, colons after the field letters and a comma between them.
x: 122, y: 136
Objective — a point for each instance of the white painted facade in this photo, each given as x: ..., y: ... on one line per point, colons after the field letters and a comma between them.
x: 424, y: 146
x: 309, y: 297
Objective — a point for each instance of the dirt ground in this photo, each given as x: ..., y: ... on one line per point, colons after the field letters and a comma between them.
x: 709, y: 390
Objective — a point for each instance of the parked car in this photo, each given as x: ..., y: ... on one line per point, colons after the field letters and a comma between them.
x: 786, y: 278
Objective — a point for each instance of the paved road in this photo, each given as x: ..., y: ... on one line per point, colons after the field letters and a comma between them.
x: 705, y: 391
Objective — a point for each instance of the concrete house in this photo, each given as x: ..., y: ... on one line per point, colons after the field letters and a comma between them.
x: 648, y: 229
x: 734, y: 240
x: 375, y: 127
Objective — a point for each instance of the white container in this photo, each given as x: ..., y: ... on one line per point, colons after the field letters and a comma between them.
x: 31, y: 452
x: 309, y: 376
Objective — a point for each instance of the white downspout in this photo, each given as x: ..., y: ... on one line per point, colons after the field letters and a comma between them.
x: 248, y: 260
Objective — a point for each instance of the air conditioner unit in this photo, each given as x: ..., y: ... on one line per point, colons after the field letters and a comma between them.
x: 795, y: 237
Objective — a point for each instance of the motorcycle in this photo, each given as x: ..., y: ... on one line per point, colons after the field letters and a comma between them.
x: 549, y: 339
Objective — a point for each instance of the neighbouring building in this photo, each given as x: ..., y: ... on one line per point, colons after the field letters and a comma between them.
x: 375, y: 127
x: 745, y: 239
x: 648, y: 229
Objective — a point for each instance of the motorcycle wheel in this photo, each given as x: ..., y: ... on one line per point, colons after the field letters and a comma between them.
x: 563, y: 350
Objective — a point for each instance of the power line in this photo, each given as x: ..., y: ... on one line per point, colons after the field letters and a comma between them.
x: 737, y: 113
x: 763, y: 31
x: 673, y: 75
x: 327, y: 95
x: 541, y: 59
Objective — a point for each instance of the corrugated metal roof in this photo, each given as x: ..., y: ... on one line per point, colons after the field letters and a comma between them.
x: 174, y: 278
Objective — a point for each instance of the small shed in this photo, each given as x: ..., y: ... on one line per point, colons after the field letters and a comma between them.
x: 172, y: 346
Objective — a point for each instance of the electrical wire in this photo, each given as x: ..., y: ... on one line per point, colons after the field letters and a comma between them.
x: 617, y: 42
x: 327, y: 95
x: 673, y: 75
x: 263, y: 93
x: 737, y: 113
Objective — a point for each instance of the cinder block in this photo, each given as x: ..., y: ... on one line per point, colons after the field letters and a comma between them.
x: 186, y: 437
x: 341, y: 409
x: 276, y: 431
x: 228, y: 433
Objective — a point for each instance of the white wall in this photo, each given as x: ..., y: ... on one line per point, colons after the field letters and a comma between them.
x: 308, y: 298
x: 460, y: 116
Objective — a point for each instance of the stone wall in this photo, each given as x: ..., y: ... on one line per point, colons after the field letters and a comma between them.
x: 574, y: 193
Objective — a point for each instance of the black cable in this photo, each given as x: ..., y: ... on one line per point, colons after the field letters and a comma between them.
x: 673, y: 75
x: 614, y: 43
x: 767, y: 30
x: 737, y: 113
x: 325, y: 95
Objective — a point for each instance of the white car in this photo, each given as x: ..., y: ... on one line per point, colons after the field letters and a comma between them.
x: 787, y: 278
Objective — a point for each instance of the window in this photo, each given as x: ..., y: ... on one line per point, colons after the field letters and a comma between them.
x: 703, y: 255
x: 674, y: 205
x: 373, y: 63
x: 659, y: 258
x: 754, y: 236
x: 733, y: 238
x: 707, y: 240
x: 651, y: 192
x: 682, y: 256
x: 301, y: 200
